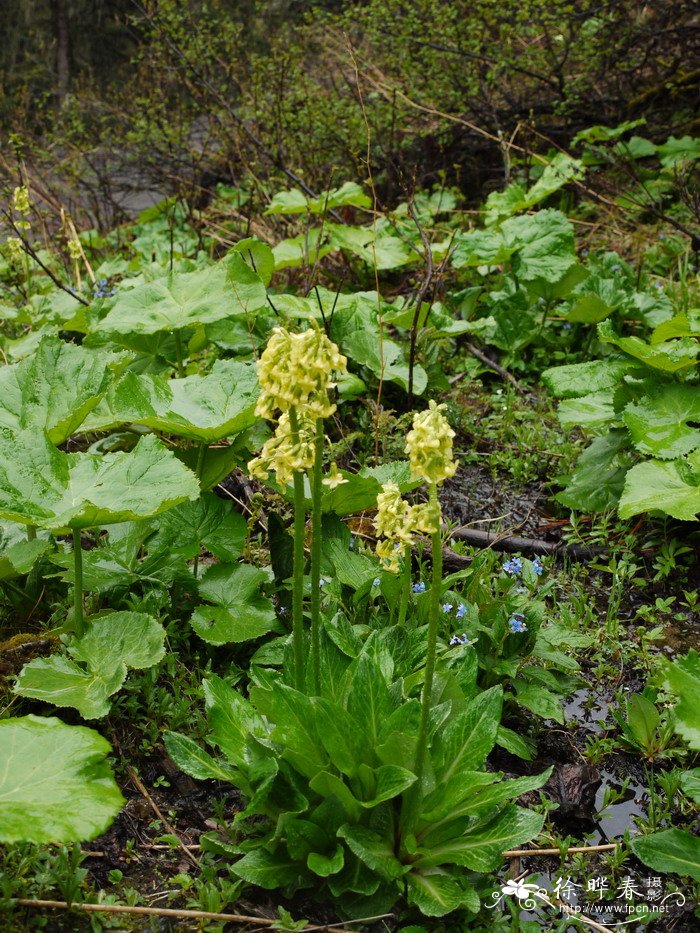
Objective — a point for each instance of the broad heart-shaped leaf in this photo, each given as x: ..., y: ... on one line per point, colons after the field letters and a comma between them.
x: 659, y: 425
x: 682, y: 677
x: 671, y: 850
x: 238, y: 610
x: 201, y: 408
x: 669, y: 357
x: 597, y: 481
x: 114, y: 643
x: 383, y: 359
x: 481, y: 848
x: 593, y: 412
x: 579, y: 379
x: 670, y: 486
x: 19, y: 558
x: 480, y: 248
x: 295, y: 201
x: 182, y: 300
x: 543, y: 245
x: 45, y: 487
x: 208, y: 522
x: 55, y: 783
x: 54, y: 389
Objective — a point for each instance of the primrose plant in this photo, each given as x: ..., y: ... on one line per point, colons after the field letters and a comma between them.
x: 295, y: 374
x: 356, y: 789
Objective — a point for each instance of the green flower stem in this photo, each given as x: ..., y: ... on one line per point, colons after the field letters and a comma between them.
x: 31, y: 532
x: 298, y: 574
x: 405, y: 584
x: 316, y: 539
x: 414, y: 795
x: 79, y: 619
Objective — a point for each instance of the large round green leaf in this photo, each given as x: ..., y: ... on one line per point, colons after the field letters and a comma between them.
x: 660, y: 426
x: 201, y: 408
x: 114, y: 644
x: 55, y: 388
x: 175, y: 302
x: 55, y: 784
x: 671, y: 486
x: 45, y: 487
x: 239, y: 611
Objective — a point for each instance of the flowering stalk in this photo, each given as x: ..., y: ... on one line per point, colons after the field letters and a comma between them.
x: 295, y: 373
x: 316, y: 533
x: 298, y: 571
x: 429, y: 446
x: 434, y: 618
x: 405, y: 584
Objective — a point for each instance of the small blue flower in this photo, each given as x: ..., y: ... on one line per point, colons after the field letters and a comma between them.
x: 615, y: 268
x: 461, y: 639
x: 566, y: 326
x: 513, y: 565
x: 662, y: 236
x: 352, y: 542
x: 537, y: 566
x: 376, y: 581
x: 584, y: 252
x: 321, y: 582
x: 461, y: 611
x: 283, y: 610
x: 419, y: 587
x: 540, y: 301
x: 517, y: 622
x: 447, y: 607
x: 658, y: 285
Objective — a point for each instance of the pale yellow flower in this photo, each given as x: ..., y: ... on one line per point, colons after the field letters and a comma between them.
x: 285, y: 455
x: 295, y: 371
x: 335, y: 478
x: 20, y: 200
x: 429, y: 446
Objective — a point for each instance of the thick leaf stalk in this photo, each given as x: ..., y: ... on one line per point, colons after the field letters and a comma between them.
x: 78, y: 613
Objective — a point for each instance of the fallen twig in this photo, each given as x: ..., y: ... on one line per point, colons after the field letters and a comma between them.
x: 156, y: 809
x: 492, y: 364
x: 186, y: 914
x: 515, y: 853
x: 512, y: 543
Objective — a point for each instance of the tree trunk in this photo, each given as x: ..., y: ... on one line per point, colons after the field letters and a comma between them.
x: 62, y: 39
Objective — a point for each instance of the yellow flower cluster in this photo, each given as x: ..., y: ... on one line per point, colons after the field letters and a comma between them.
x: 20, y: 200
x: 14, y: 248
x: 285, y: 454
x: 74, y: 250
x: 429, y: 446
x: 295, y: 371
x: 398, y: 522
